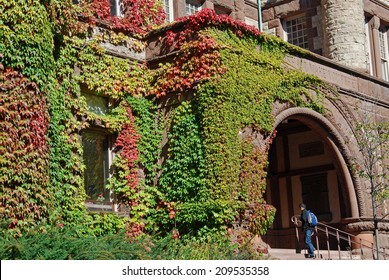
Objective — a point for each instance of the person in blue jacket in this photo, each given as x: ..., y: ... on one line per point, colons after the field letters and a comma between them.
x: 308, y: 231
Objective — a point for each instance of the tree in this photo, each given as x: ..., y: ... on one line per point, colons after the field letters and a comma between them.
x: 373, y: 140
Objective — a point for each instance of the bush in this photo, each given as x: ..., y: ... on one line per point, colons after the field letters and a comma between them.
x: 61, y: 244
x: 192, y: 249
x: 67, y: 244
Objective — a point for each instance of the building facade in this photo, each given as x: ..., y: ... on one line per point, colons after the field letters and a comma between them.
x: 353, y: 33
x: 166, y: 122
x: 311, y: 156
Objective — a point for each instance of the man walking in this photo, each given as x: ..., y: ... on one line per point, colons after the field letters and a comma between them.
x: 308, y: 231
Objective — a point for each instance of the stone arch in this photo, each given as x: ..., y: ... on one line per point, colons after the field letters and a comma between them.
x: 334, y: 140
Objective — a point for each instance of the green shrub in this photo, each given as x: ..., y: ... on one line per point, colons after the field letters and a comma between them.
x: 61, y: 244
x: 213, y: 248
x: 68, y: 244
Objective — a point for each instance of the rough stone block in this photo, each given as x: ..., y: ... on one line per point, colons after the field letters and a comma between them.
x: 274, y: 23
x: 285, y: 9
x: 267, y: 15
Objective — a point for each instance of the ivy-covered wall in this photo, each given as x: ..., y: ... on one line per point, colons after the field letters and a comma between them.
x: 48, y: 51
x: 212, y: 177
x: 215, y: 173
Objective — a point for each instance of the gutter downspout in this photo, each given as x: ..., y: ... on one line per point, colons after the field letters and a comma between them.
x: 259, y: 15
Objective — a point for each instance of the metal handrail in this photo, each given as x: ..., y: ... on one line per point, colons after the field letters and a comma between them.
x: 339, y: 235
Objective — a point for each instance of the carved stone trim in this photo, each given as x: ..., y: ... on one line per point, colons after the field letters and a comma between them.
x: 326, y: 129
x: 367, y: 225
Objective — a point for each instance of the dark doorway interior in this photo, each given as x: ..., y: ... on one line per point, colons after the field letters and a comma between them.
x: 301, y: 169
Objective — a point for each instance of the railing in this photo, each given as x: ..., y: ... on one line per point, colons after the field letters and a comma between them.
x: 351, y: 240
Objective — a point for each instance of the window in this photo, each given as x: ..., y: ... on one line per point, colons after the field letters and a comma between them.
x: 95, y: 145
x: 369, y: 46
x: 192, y: 6
x: 116, y: 8
x: 97, y: 155
x: 378, y: 50
x: 296, y: 31
x: 383, y: 42
x: 168, y: 7
x: 96, y: 104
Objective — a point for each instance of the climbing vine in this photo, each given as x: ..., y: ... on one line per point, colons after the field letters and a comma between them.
x: 184, y: 163
x: 137, y: 16
x: 249, y: 77
x: 25, y: 201
x: 27, y: 39
x: 44, y: 42
x: 126, y: 145
x: 198, y: 61
x: 182, y: 180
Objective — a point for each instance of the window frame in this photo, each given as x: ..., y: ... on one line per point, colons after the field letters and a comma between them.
x: 110, y: 203
x: 377, y: 30
x: 305, y: 30
x: 369, y: 47
x: 170, y: 13
x: 97, y: 127
x: 383, y: 49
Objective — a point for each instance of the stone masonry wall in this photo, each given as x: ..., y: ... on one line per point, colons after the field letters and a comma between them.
x: 344, y: 32
x: 275, y: 12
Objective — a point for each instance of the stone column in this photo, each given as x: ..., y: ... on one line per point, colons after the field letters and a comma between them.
x: 344, y: 32
x: 374, y: 25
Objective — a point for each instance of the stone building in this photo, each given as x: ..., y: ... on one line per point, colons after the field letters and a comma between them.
x: 344, y: 43
x: 311, y: 155
x: 349, y: 32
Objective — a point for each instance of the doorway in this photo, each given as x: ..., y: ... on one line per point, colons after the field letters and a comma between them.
x: 302, y: 168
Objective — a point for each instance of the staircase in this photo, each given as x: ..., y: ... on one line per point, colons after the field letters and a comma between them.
x: 355, y: 247
x: 284, y: 254
x: 290, y: 254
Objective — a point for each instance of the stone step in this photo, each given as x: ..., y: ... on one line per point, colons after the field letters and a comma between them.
x: 290, y: 254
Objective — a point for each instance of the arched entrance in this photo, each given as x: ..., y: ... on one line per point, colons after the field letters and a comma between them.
x: 306, y: 164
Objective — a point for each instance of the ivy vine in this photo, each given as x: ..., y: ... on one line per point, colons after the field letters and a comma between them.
x: 249, y: 79
x: 211, y: 178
